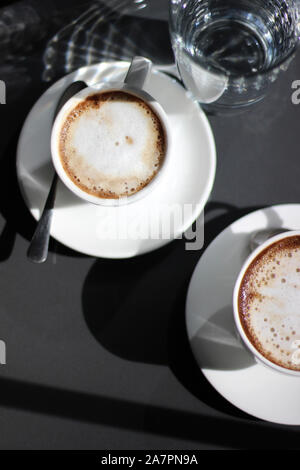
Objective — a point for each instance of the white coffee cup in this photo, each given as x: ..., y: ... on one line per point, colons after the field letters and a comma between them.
x: 260, y: 358
x: 133, y: 85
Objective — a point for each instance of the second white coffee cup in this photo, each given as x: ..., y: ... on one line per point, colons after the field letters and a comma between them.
x: 260, y: 358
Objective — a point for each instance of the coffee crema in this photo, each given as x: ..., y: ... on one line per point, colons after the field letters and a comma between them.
x: 269, y: 303
x: 112, y: 144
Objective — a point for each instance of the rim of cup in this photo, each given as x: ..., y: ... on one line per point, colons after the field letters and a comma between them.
x: 71, y: 104
x: 260, y: 357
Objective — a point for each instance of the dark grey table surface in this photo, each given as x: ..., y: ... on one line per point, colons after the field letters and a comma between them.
x: 97, y: 352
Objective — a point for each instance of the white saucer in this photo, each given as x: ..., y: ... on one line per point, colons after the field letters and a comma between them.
x: 230, y: 369
x: 88, y: 228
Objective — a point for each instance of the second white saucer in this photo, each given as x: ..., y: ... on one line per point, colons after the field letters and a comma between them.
x: 224, y: 361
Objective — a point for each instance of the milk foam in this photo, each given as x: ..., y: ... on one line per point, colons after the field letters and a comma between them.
x: 112, y: 144
x: 269, y: 303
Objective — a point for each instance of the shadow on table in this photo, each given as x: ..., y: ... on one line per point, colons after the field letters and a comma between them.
x: 225, y: 432
x: 101, y: 33
x: 18, y: 219
x: 144, y: 318
x: 145, y: 321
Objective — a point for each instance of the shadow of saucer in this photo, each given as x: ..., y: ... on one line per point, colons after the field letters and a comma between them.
x: 124, y: 306
x: 136, y: 310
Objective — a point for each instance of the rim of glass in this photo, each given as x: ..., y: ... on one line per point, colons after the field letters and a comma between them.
x: 248, y: 75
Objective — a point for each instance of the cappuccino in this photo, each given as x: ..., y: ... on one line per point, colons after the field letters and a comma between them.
x: 269, y: 302
x: 112, y: 144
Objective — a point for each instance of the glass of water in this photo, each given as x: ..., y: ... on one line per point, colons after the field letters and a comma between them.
x: 228, y: 52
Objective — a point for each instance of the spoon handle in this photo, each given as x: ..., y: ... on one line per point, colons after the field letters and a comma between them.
x: 38, y: 248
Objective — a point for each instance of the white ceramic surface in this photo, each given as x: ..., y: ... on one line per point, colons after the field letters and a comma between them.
x: 226, y: 363
x: 91, y: 229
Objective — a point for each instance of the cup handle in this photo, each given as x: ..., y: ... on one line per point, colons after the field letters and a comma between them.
x: 138, y: 72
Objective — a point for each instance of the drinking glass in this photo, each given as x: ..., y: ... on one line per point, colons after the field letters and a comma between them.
x: 228, y: 52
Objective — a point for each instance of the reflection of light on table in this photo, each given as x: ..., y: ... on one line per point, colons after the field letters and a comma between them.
x: 105, y: 31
